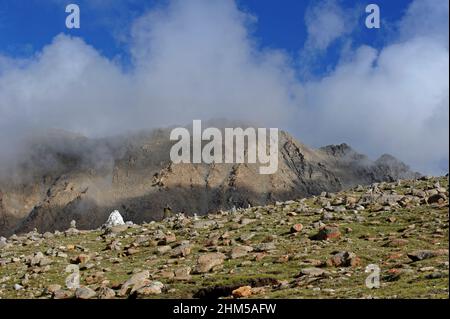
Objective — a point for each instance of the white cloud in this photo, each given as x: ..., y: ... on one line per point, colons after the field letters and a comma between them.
x: 326, y: 22
x: 196, y: 59
x: 394, y: 99
x: 426, y: 18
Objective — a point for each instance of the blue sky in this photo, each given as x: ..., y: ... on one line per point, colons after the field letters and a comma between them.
x: 28, y: 25
x: 311, y: 68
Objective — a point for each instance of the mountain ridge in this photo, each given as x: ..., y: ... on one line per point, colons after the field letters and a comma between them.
x: 68, y: 176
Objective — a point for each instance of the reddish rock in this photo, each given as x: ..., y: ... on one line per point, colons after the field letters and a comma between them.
x: 81, y: 259
x: 344, y: 259
x: 244, y: 291
x: 296, y: 228
x: 327, y: 233
x: 168, y: 238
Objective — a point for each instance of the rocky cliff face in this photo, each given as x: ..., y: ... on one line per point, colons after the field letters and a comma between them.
x: 63, y: 177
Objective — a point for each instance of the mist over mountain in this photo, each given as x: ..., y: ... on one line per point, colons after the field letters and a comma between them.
x: 196, y: 59
x: 62, y: 177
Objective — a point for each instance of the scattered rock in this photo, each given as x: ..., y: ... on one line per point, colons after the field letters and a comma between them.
x: 327, y: 233
x: 134, y: 283
x: 344, y: 259
x: 240, y: 251
x: 169, y: 238
x: 114, y: 219
x: 114, y: 245
x: 313, y: 272
x: 51, y: 289
x: 245, y: 238
x: 265, y: 247
x: 296, y: 228
x: 3, y: 242
x: 84, y: 293
x: 18, y: 287
x: 164, y: 249
x: 131, y: 251
x: 38, y: 259
x: 182, y: 250
x: 208, y: 261
x: 183, y: 273
x: 437, y: 199
x: 241, y: 292
x: 62, y: 294
x: 436, y: 275
x: 152, y: 288
x: 81, y: 259
x: 105, y: 293
x: 426, y: 254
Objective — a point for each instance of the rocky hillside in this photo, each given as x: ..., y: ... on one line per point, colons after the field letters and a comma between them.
x: 62, y: 177
x: 317, y: 247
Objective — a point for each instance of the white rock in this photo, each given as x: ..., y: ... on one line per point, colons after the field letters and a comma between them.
x: 114, y: 219
x: 73, y: 281
x: 18, y: 287
x: 153, y: 288
x: 3, y: 242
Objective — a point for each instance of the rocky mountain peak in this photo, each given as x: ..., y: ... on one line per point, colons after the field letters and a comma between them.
x: 76, y: 178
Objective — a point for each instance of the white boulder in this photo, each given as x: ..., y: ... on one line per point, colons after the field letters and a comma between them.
x: 114, y: 219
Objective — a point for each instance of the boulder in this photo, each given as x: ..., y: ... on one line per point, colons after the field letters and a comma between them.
x: 313, y: 272
x: 105, y: 293
x: 327, y: 233
x: 183, y: 273
x: 240, y: 251
x: 84, y: 293
x: 114, y: 219
x: 344, y: 259
x: 208, y: 261
x: 296, y: 228
x: 426, y: 254
x: 437, y: 199
x: 136, y: 281
x: 152, y: 288
x: 244, y: 291
x: 182, y: 250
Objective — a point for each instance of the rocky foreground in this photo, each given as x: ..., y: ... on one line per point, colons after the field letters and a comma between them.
x: 318, y: 247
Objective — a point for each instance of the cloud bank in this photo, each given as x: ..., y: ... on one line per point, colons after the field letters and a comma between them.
x: 198, y: 60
